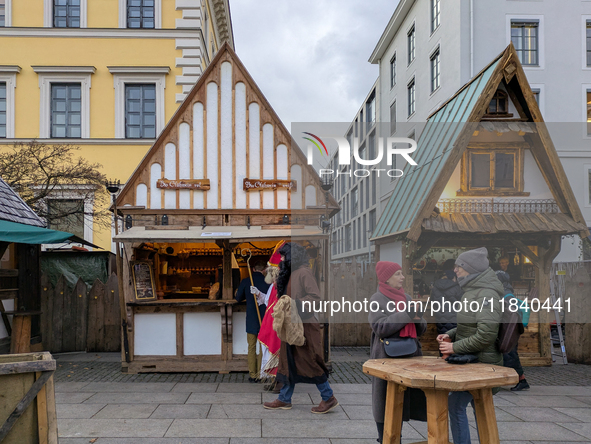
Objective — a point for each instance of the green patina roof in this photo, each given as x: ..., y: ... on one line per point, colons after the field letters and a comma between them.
x: 435, y: 145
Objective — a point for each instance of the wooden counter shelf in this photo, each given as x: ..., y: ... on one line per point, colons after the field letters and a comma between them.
x: 183, y: 302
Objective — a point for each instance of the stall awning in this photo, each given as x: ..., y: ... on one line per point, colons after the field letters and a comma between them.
x: 13, y: 232
x: 236, y: 234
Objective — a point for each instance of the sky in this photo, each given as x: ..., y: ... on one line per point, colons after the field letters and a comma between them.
x: 309, y: 57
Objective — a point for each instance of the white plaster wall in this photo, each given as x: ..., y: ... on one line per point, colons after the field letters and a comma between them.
x: 391, y: 252
x: 170, y: 174
x: 254, y: 151
x: 226, y: 130
x: 155, y: 334
x: 198, y: 150
x: 184, y: 163
x: 155, y: 193
x: 239, y: 339
x: 240, y: 119
x: 212, y: 144
x: 570, y: 249
x: 141, y: 195
x: 202, y: 334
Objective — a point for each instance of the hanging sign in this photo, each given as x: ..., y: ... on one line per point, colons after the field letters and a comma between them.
x: 143, y: 281
x: 268, y: 185
x: 183, y: 184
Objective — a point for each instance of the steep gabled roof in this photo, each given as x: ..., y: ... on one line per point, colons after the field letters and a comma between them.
x: 14, y: 209
x: 248, y: 142
x: 445, y: 138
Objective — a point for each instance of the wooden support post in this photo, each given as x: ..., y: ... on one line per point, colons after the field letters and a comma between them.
x: 408, y: 248
x: 227, y: 271
x: 437, y: 422
x: 393, y: 414
x: 485, y: 416
x: 20, y: 341
x: 546, y: 257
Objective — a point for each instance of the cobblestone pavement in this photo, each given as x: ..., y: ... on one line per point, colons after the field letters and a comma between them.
x: 346, y: 365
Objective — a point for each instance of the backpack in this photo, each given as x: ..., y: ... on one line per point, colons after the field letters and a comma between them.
x: 510, y: 329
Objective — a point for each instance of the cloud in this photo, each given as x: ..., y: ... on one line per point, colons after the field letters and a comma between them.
x: 309, y: 57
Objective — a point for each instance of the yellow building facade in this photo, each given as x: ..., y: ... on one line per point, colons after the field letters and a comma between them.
x: 104, y: 75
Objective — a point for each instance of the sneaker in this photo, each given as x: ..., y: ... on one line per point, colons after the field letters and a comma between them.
x: 326, y: 406
x: 277, y: 405
x: 521, y: 385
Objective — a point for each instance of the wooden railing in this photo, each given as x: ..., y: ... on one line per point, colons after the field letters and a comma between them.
x: 497, y: 205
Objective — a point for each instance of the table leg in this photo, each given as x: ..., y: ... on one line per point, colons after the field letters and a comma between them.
x: 485, y: 416
x: 437, y: 419
x: 393, y: 415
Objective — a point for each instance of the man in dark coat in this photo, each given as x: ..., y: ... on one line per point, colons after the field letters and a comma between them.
x: 301, y: 363
x: 446, y: 289
x: 252, y: 318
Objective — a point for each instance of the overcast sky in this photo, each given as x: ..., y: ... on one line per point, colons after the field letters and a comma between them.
x: 309, y: 57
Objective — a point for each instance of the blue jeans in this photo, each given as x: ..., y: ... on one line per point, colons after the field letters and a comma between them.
x: 458, y: 418
x: 287, y: 391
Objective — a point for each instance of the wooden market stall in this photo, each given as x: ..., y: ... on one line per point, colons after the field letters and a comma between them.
x: 223, y: 182
x: 488, y: 175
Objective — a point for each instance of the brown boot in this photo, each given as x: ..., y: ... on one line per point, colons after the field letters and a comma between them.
x: 326, y: 406
x: 277, y: 405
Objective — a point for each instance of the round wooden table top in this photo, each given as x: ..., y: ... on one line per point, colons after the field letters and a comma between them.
x: 435, y: 373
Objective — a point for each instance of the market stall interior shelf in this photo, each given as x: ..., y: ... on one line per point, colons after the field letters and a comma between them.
x: 223, y: 178
x: 484, y: 178
x: 437, y: 378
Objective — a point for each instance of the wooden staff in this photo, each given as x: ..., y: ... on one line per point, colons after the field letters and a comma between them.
x: 256, y: 302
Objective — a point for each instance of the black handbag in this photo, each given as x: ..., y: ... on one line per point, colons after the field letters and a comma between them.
x: 397, y: 347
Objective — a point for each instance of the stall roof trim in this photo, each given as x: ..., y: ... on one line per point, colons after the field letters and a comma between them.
x: 14, y: 209
x: 445, y: 138
x: 208, y: 234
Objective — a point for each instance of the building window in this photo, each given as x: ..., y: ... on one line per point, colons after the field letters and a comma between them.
x: 141, y: 14
x: 364, y: 231
x: 355, y: 125
x: 343, y: 185
x: 499, y: 105
x: 354, y: 202
x: 350, y: 137
x: 372, y: 146
x: 589, y: 112
x: 66, y: 215
x: 373, y: 189
x: 589, y: 185
x: 66, y: 110
x: 348, y: 238
x: 3, y: 109
x: 588, y: 42
x: 372, y: 221
x: 361, y: 197
x: 2, y: 13
x: 140, y: 111
x: 370, y: 110
x: 411, y: 44
x: 393, y: 71
x: 536, y: 93
x: 361, y: 125
x: 393, y: 118
x: 488, y: 171
x: 411, y: 97
x: 435, y: 71
x: 435, y: 14
x: 366, y: 193
x: 524, y: 35
x: 66, y: 13
x: 359, y: 233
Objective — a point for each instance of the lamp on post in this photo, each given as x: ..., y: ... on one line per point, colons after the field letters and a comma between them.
x: 326, y: 185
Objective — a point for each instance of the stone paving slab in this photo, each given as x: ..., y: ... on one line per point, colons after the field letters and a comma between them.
x: 345, y: 399
x: 283, y: 441
x: 77, y: 411
x: 358, y: 412
x: 228, y: 387
x: 583, y: 429
x: 113, y: 428
x: 193, y: 387
x: 72, y: 397
x: 276, y: 428
x: 181, y: 411
x: 351, y: 388
x: 126, y: 411
x: 145, y: 440
x: 246, y: 411
x: 583, y: 414
x: 545, y: 401
x: 538, y: 414
x: 501, y: 413
x: 297, y: 398
x: 123, y: 387
x: 138, y: 398
x: 539, y: 430
x: 215, y: 428
x: 223, y: 398
x: 585, y: 399
x: 65, y: 387
x: 539, y: 390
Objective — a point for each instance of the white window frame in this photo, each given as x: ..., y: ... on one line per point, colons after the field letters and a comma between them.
x: 431, y: 16
x: 412, y: 28
x: 123, y: 14
x: 541, y: 32
x: 542, y: 104
x: 586, y: 87
x: 48, y: 13
x: 584, y: 45
x: 392, y: 70
x: 436, y: 50
x: 7, y: 13
x: 586, y: 169
x: 127, y: 75
x: 8, y: 76
x: 63, y: 74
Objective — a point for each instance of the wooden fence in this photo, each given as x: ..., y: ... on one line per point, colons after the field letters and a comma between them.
x: 79, y: 318
x: 349, y: 281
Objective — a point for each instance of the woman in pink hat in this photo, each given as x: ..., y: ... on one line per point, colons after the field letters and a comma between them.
x: 393, y: 317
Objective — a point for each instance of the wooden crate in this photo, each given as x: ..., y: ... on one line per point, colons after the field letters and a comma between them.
x: 27, y: 407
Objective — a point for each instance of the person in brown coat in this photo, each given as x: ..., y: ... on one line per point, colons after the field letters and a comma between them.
x: 386, y: 323
x: 306, y: 363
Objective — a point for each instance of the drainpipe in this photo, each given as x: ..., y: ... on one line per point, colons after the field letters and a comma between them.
x: 471, y: 39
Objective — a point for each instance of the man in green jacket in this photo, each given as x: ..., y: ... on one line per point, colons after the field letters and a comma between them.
x: 477, y: 330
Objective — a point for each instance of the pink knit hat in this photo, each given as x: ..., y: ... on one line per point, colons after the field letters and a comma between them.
x: 385, y: 270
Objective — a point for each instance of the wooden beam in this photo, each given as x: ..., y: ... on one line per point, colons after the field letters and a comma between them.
x: 528, y: 253
x: 408, y: 246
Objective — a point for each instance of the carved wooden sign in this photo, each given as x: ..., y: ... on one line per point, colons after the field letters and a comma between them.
x: 183, y: 184
x: 270, y: 185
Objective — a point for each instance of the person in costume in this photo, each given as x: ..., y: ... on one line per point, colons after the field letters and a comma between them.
x: 270, y: 343
x: 301, y: 363
x: 244, y: 293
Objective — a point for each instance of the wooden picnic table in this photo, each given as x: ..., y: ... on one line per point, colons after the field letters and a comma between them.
x: 437, y: 378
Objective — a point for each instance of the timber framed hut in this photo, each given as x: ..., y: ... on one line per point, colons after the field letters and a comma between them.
x: 488, y: 175
x: 222, y: 182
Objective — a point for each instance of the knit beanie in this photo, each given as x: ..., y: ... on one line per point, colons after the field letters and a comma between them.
x: 385, y: 270
x: 473, y: 261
